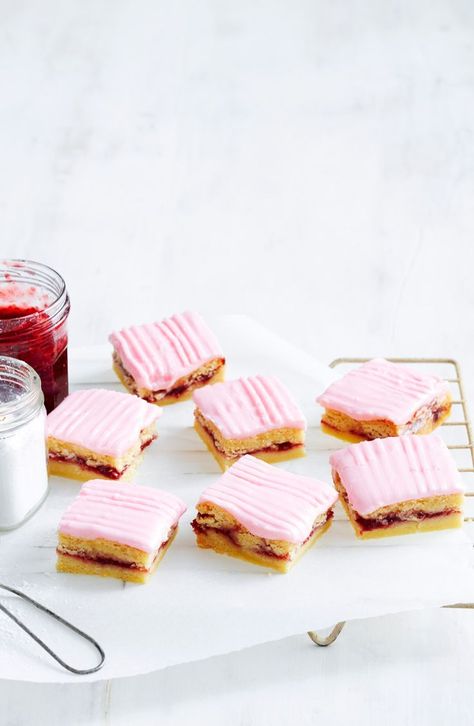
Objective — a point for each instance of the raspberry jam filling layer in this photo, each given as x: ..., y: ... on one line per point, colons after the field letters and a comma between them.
x: 264, y: 547
x: 194, y: 380
x: 283, y: 446
x: 111, y: 472
x: 390, y: 520
x: 115, y: 561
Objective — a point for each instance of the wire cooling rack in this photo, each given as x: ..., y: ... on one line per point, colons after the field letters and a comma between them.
x: 457, y: 433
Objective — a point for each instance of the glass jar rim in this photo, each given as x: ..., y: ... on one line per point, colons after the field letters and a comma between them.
x: 44, y: 274
x: 30, y: 399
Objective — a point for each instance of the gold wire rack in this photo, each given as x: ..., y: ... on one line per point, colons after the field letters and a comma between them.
x: 462, y: 425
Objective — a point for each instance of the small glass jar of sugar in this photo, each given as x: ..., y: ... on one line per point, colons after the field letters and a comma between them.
x: 23, y: 467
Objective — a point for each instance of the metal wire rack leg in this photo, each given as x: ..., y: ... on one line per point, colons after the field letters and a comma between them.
x: 324, y: 642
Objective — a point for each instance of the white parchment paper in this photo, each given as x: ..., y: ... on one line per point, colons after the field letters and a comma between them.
x: 199, y: 604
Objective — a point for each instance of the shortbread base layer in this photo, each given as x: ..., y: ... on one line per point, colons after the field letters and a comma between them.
x: 260, y: 447
x: 409, y: 517
x: 128, y: 571
x: 426, y: 420
x: 280, y: 555
x: 182, y: 390
x: 76, y: 462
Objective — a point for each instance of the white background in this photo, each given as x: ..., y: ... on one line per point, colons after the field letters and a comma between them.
x: 310, y: 163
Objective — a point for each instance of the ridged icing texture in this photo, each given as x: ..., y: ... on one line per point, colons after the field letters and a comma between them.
x: 247, y: 407
x: 130, y: 514
x: 270, y: 502
x: 388, y: 471
x: 106, y: 422
x: 381, y: 390
x: 158, y: 354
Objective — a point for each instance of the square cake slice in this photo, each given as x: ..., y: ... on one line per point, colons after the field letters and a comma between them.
x: 97, y: 433
x: 164, y: 362
x: 398, y: 485
x: 255, y: 415
x: 380, y: 398
x: 262, y: 514
x: 117, y: 530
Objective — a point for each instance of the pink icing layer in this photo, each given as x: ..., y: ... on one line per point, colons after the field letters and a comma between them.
x: 129, y: 514
x: 381, y: 390
x: 249, y: 406
x: 158, y: 354
x: 392, y: 470
x: 269, y: 501
x: 107, y: 422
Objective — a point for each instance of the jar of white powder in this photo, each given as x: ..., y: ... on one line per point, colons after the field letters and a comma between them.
x: 23, y: 468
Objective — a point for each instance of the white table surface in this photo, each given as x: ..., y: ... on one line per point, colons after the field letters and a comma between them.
x: 308, y: 163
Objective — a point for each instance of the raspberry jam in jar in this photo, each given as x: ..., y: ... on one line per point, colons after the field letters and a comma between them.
x: 34, y: 308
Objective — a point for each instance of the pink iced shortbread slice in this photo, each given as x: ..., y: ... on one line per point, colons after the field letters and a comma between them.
x: 399, y: 485
x: 255, y: 415
x: 263, y: 514
x: 99, y: 433
x: 117, y: 530
x: 380, y: 398
x: 165, y: 361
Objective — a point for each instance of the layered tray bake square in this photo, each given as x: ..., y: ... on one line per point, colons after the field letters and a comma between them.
x: 381, y: 398
x: 399, y: 485
x: 263, y: 514
x: 165, y: 361
x: 97, y: 433
x: 255, y: 415
x: 117, y: 530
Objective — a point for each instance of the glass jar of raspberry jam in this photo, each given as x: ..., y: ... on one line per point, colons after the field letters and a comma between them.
x: 34, y: 308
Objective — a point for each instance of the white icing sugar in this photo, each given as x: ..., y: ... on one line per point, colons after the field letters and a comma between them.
x: 23, y: 471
